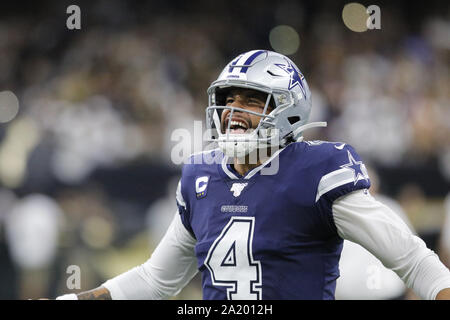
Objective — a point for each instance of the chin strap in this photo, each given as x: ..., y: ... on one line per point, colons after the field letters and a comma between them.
x: 306, y: 127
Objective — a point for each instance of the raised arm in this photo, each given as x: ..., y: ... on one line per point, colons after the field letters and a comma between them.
x: 362, y: 219
x: 100, y: 293
x: 171, y: 266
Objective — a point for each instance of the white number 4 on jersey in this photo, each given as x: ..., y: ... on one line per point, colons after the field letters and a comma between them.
x: 230, y: 261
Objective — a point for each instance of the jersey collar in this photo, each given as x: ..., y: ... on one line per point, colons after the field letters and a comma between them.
x: 226, y: 169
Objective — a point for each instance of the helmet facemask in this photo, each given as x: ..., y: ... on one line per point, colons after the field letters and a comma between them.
x: 287, y: 92
x: 238, y: 145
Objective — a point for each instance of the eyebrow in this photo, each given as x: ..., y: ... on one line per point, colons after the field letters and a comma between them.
x: 250, y: 94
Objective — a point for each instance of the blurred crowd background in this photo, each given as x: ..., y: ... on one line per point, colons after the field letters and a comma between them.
x: 86, y: 176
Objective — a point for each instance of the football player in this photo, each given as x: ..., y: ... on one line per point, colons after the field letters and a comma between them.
x: 267, y: 218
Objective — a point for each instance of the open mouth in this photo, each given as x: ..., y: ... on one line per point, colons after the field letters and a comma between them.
x: 237, y: 127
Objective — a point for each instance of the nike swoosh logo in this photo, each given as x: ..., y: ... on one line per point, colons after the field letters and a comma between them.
x: 340, y: 147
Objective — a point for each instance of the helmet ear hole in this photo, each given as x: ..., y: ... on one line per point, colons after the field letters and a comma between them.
x: 293, y: 119
x: 272, y: 103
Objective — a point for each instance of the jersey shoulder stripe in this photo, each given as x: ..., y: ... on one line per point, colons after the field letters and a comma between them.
x: 341, y: 168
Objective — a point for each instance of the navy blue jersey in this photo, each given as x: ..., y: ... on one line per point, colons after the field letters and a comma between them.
x: 269, y: 234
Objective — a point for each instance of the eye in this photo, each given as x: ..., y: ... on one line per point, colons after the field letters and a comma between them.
x: 229, y: 100
x: 256, y: 101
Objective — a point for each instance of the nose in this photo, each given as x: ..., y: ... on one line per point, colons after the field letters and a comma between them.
x: 238, y: 102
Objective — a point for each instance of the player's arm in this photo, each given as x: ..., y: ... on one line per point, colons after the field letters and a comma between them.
x: 444, y: 294
x: 171, y: 266
x: 362, y: 219
x: 100, y: 293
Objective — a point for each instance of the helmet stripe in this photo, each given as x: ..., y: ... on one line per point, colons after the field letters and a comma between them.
x: 234, y: 63
x: 250, y: 60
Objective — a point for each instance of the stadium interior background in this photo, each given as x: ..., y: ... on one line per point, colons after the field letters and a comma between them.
x: 86, y: 176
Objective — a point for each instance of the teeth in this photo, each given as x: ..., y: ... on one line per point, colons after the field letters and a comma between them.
x: 238, y: 123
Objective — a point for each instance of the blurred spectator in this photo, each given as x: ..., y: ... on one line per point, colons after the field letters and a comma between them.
x: 9, y: 274
x: 33, y: 226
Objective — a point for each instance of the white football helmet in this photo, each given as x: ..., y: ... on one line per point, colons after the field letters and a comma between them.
x: 287, y: 91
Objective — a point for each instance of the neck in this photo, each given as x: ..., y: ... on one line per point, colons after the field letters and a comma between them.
x: 251, y: 161
x: 243, y: 168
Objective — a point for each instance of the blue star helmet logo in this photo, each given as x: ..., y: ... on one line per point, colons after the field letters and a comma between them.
x: 357, y: 167
x: 296, y: 76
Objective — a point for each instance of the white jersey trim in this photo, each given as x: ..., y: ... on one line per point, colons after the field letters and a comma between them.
x: 333, y: 180
x: 252, y: 172
x: 338, y: 178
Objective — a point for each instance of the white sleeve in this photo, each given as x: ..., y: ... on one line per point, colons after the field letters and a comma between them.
x: 362, y: 219
x: 171, y: 266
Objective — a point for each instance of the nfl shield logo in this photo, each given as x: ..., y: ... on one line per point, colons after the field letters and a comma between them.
x: 237, y: 188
